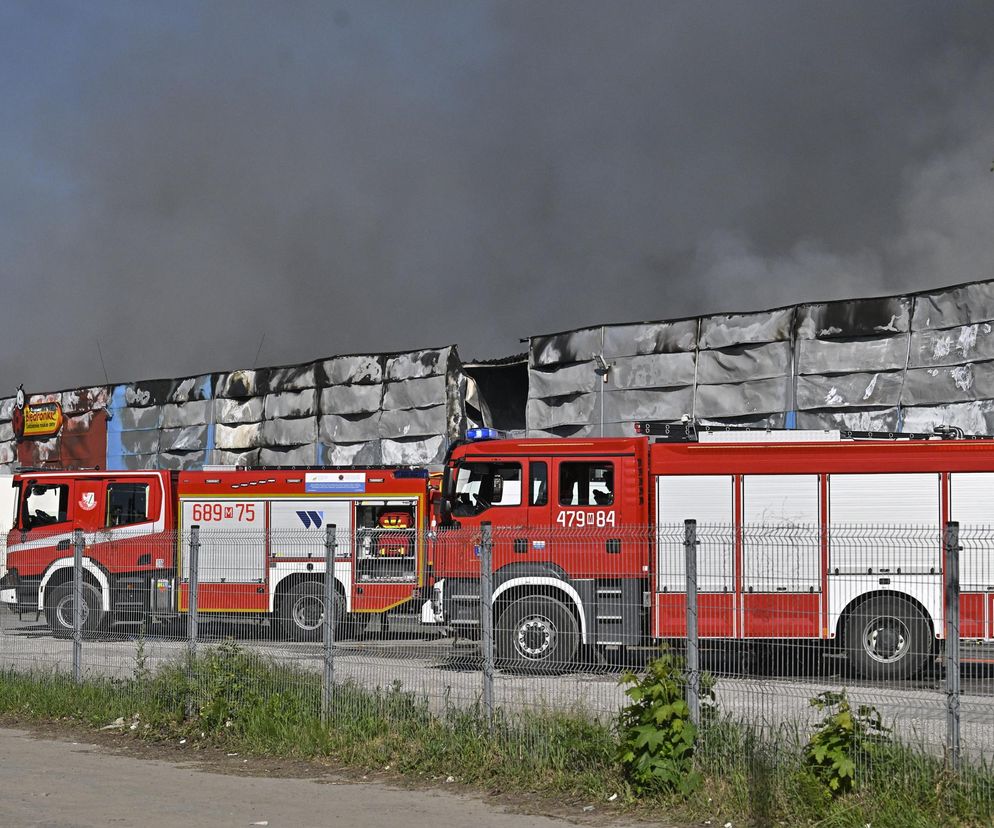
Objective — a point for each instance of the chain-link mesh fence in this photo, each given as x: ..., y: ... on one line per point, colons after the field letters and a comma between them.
x: 517, y: 626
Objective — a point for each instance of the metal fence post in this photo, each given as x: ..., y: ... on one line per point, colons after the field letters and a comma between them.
x: 693, y: 647
x: 77, y: 606
x: 487, y: 617
x: 330, y: 619
x: 194, y: 587
x: 952, y: 645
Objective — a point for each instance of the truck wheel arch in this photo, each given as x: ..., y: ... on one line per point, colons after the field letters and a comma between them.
x: 548, y: 586
x: 286, y: 583
x: 90, y: 570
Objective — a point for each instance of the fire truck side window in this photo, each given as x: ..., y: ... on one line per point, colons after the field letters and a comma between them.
x: 586, y: 484
x: 539, y: 473
x: 126, y: 503
x: 478, y: 486
x: 46, y: 505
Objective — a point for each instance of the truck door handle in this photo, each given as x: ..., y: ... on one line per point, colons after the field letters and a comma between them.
x: 614, y: 545
x: 521, y: 545
x: 63, y: 545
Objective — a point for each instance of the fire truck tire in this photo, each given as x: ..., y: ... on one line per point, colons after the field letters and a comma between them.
x: 887, y: 638
x: 302, y: 611
x: 59, y: 609
x: 537, y: 634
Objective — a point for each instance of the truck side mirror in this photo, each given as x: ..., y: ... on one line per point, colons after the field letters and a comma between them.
x: 498, y: 495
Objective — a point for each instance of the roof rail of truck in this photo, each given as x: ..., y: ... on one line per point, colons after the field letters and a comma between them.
x: 690, y: 432
x: 54, y: 469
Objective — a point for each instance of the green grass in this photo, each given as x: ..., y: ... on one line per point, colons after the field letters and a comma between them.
x: 239, y: 701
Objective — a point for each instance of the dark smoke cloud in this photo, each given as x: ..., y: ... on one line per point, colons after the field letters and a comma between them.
x: 181, y: 179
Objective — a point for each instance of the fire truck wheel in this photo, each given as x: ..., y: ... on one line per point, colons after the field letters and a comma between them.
x: 303, y: 611
x: 59, y: 609
x: 887, y: 638
x: 537, y: 634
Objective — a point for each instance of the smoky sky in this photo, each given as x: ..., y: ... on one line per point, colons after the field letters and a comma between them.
x: 184, y: 182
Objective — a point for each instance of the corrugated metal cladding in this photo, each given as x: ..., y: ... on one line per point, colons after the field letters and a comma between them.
x: 376, y: 408
x: 901, y: 363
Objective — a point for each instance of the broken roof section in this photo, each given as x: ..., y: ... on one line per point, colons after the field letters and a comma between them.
x: 907, y: 362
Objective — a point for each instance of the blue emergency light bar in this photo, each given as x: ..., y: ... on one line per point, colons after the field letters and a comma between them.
x: 400, y: 473
x: 482, y: 434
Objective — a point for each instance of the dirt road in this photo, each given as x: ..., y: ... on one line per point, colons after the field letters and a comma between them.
x: 58, y: 783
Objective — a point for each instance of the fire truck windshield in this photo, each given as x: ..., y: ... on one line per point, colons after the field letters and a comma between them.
x: 479, y: 486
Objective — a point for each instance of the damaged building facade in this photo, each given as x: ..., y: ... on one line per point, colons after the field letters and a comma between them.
x: 395, y: 409
x: 899, y: 363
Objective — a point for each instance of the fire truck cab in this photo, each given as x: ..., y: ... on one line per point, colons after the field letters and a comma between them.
x: 569, y: 544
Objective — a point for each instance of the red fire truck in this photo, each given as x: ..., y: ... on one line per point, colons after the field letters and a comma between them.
x: 588, y: 542
x: 262, y: 544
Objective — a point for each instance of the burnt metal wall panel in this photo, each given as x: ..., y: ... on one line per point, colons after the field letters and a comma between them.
x: 189, y: 439
x: 299, y: 456
x: 951, y: 384
x: 353, y: 370
x: 241, y: 384
x: 856, y: 317
x: 293, y: 377
x: 565, y: 348
x: 649, y: 338
x: 180, y: 460
x: 353, y: 454
x: 291, y: 404
x: 561, y: 411
x: 236, y: 458
x: 239, y: 437
x: 334, y: 429
x: 191, y: 389
x: 235, y: 412
x: 727, y: 330
x: 414, y: 393
x: 816, y: 356
x: 752, y: 361
x: 139, y: 419
x: 417, y: 364
x: 140, y: 442
x: 976, y: 417
x: 289, y: 433
x: 413, y: 422
x: 351, y: 399
x: 188, y: 414
x: 856, y: 419
x: 627, y: 405
x: 565, y: 380
x: 961, y: 305
x: 849, y: 390
x: 670, y: 370
x: 428, y: 451
x: 741, y: 399
x: 952, y: 346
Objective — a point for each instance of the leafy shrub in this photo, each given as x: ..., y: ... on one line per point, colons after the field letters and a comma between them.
x: 843, y: 736
x: 656, y: 735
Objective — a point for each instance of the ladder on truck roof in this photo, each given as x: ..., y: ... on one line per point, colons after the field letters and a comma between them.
x: 690, y: 432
